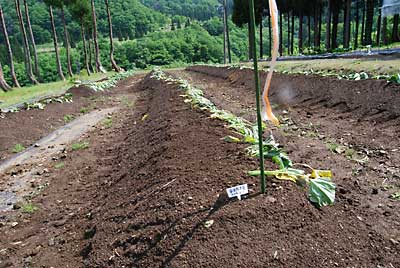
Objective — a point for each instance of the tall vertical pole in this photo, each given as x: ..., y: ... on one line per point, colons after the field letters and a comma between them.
x: 224, y: 20
x: 228, y: 40
x: 257, y: 84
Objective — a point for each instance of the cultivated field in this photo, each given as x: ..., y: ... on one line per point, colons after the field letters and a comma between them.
x: 145, y: 183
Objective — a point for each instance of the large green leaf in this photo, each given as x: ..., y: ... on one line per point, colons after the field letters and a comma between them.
x: 322, y: 192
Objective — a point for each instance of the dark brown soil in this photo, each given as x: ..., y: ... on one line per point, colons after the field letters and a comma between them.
x: 81, y: 91
x: 364, y: 98
x: 141, y: 194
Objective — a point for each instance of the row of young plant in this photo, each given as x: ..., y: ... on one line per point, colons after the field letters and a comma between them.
x: 39, y: 104
x: 109, y: 83
x: 395, y: 78
x: 321, y: 189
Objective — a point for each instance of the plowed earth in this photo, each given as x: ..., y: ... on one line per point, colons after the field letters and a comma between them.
x: 149, y: 191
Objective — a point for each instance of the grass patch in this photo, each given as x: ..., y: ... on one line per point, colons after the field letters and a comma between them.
x: 29, y: 208
x: 59, y: 165
x: 79, y: 146
x: 68, y: 118
x: 84, y: 110
x: 18, y: 148
x: 107, y: 123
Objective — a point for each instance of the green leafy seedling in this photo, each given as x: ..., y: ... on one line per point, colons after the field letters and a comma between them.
x: 18, y: 148
x: 59, y: 165
x: 68, y: 118
x: 108, y: 123
x: 322, y: 191
x: 395, y: 196
x: 29, y: 208
x: 84, y: 110
x: 79, y: 146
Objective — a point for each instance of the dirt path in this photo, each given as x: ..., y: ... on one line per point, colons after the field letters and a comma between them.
x: 22, y: 173
x: 18, y: 186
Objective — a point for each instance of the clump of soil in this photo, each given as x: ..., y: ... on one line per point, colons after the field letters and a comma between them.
x: 81, y: 91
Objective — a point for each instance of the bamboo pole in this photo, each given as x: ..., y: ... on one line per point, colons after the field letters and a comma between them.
x: 257, y: 86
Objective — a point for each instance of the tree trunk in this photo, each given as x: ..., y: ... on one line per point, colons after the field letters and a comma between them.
x: 363, y: 23
x: 66, y: 43
x: 269, y: 37
x: 261, y: 41
x: 27, y: 53
x: 316, y: 26
x: 395, y: 30
x: 357, y: 24
x: 53, y: 29
x: 347, y: 24
x: 369, y: 22
x: 301, y: 32
x: 90, y: 36
x: 228, y: 39
x: 250, y: 41
x: 378, y: 30
x: 33, y: 43
x: 99, y: 68
x: 3, y: 84
x: 224, y: 35
x: 85, y: 49
x: 309, y: 30
x: 319, y: 26
x: 292, y: 37
x: 384, y: 31
x: 288, y: 33
x: 335, y: 28
x: 280, y: 33
x: 328, y: 26
x: 9, y: 50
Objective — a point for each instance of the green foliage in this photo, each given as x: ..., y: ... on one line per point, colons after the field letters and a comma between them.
x: 192, y: 44
x: 214, y: 26
x: 395, y: 196
x: 107, y: 123
x: 18, y: 148
x: 322, y: 191
x: 200, y: 10
x: 29, y: 208
x: 68, y: 118
x: 59, y: 165
x: 79, y: 146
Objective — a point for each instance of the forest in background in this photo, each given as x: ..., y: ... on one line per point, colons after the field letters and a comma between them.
x: 177, y: 32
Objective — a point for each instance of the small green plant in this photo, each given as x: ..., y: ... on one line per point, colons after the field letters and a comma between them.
x: 59, y: 165
x: 29, y: 208
x: 79, y: 146
x: 68, y: 118
x: 125, y: 101
x: 395, y: 196
x: 336, y: 148
x: 84, y: 110
x: 18, y: 148
x: 107, y: 123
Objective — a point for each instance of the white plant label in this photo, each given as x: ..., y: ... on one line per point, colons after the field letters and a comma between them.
x: 238, y: 191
